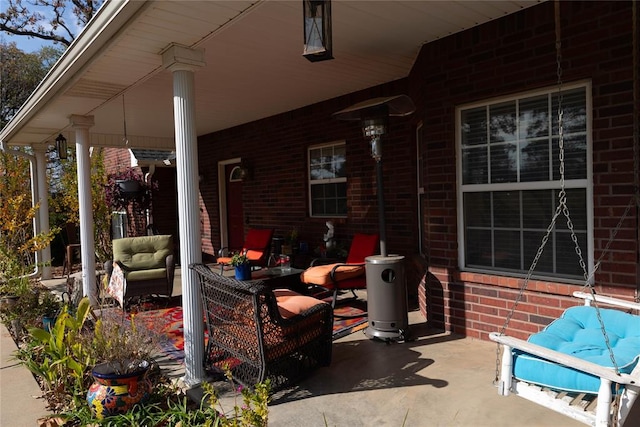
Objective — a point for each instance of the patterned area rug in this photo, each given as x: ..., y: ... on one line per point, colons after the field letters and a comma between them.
x: 168, y: 323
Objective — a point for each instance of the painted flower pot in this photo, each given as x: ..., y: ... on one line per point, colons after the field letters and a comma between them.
x: 113, y: 394
x: 48, y: 322
x: 243, y: 272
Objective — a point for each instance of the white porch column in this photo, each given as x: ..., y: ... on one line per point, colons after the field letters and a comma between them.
x: 182, y: 62
x: 43, y: 212
x: 81, y: 124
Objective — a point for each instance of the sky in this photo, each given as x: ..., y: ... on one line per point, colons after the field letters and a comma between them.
x: 33, y: 44
x: 26, y: 44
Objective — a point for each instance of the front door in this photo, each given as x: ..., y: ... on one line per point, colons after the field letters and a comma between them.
x: 235, y: 213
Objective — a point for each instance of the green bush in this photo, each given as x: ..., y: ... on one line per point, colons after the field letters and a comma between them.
x: 63, y: 358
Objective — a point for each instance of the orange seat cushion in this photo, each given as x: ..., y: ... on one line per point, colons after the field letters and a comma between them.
x: 321, y: 274
x: 291, y: 303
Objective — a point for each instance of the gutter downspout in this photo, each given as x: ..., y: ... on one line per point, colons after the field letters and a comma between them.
x: 147, y: 178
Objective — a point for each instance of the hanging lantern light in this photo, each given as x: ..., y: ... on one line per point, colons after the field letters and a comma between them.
x: 61, y: 146
x: 317, y: 30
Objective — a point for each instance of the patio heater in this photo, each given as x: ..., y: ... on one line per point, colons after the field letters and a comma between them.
x: 386, y: 284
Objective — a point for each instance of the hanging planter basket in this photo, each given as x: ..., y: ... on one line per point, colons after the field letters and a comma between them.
x: 129, y: 186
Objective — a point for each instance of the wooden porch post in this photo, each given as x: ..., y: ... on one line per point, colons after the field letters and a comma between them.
x: 182, y: 62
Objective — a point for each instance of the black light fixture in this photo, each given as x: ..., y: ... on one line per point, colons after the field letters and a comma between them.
x: 61, y: 146
x: 317, y: 30
x: 373, y: 115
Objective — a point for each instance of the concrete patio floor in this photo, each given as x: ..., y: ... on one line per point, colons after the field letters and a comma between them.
x: 438, y: 379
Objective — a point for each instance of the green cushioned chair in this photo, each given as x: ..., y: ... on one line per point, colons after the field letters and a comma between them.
x: 147, y: 263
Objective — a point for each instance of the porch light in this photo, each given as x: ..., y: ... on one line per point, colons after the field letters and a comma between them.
x: 61, y: 146
x: 317, y: 30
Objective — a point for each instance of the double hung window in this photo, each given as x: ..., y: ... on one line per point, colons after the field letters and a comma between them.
x: 327, y: 180
x: 509, y: 180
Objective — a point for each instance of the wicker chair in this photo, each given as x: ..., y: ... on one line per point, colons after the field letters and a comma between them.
x: 259, y: 333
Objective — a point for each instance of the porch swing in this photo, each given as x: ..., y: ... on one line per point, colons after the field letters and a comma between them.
x: 585, y: 363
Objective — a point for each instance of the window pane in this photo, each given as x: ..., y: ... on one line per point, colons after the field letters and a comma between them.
x: 574, y: 113
x: 507, y: 250
x: 534, y: 160
x: 478, y: 249
x: 534, y: 117
x: 477, y: 209
x: 503, y: 122
x: 575, y: 157
x: 329, y: 199
x: 474, y: 127
x: 567, y: 258
x: 506, y: 209
x: 474, y: 165
x: 537, y: 209
x: 503, y: 163
x: 339, y: 161
x: 577, y: 204
x: 531, y: 244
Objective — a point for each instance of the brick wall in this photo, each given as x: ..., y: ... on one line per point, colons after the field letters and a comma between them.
x: 276, y: 194
x: 510, y: 55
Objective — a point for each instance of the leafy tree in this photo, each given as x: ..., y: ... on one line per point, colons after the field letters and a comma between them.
x: 54, y: 20
x: 17, y: 240
x: 64, y: 207
x: 20, y: 74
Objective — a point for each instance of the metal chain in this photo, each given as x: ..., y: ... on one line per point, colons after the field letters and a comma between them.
x: 564, y: 209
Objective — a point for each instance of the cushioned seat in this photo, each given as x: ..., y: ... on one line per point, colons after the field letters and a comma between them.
x: 320, y: 275
x: 147, y: 266
x: 263, y: 333
x: 347, y: 275
x: 578, y: 333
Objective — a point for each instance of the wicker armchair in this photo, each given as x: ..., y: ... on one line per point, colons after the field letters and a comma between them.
x: 259, y: 333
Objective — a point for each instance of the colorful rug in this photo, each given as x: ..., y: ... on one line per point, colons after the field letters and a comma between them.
x: 167, y: 322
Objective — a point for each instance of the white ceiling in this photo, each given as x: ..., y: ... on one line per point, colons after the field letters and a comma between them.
x: 254, y: 64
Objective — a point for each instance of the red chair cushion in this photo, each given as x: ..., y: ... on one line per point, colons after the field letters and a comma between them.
x: 362, y: 246
x: 257, y: 243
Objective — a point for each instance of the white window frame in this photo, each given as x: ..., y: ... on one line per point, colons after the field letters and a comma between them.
x: 586, y: 183
x: 312, y: 182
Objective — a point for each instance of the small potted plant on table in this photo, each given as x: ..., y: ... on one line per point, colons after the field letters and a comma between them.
x: 242, y: 267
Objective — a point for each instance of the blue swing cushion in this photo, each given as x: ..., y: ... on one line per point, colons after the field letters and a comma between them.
x: 578, y: 333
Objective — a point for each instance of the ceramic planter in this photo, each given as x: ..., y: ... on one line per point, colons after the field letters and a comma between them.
x: 243, y: 272
x: 48, y: 322
x: 113, y: 394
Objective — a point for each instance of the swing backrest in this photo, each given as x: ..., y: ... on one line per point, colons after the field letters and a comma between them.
x: 578, y: 333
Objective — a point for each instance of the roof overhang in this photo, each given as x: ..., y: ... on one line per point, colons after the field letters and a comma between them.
x: 254, y: 64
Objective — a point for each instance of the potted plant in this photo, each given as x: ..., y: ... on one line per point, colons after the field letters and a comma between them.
x: 122, y: 351
x: 48, y: 308
x: 242, y: 267
x: 126, y: 187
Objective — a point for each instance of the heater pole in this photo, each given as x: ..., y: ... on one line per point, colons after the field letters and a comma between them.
x: 376, y: 152
x: 383, y: 233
